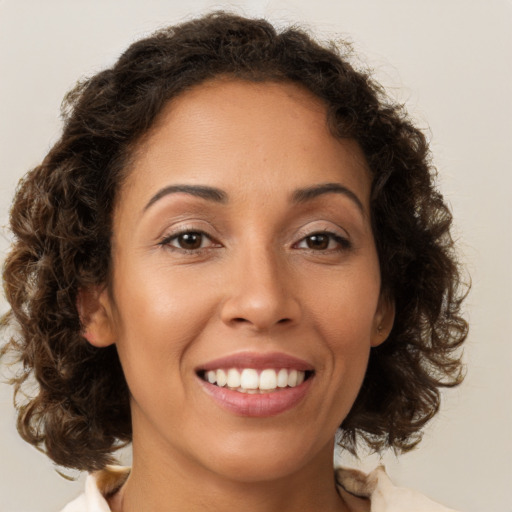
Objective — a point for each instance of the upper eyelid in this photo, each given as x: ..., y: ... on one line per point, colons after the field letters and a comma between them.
x: 322, y: 227
x: 167, y: 243
x: 327, y: 232
x: 177, y: 233
x: 300, y: 232
x: 337, y: 234
x: 195, y: 226
x: 341, y: 239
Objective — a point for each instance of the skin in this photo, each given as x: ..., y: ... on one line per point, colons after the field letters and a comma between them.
x: 257, y: 283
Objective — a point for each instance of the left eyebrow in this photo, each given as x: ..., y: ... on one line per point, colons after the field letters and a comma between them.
x: 308, y: 193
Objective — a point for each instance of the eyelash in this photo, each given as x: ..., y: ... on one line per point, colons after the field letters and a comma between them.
x: 343, y: 243
x: 167, y: 241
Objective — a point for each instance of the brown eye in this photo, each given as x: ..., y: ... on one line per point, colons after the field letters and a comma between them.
x: 190, y: 241
x: 324, y: 241
x: 318, y: 242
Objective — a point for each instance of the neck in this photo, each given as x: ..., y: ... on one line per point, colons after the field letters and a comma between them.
x: 163, y: 482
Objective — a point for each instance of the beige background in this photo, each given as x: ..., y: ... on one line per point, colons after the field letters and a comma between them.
x: 449, y: 60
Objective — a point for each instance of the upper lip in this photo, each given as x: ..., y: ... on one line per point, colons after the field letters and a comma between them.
x: 257, y: 361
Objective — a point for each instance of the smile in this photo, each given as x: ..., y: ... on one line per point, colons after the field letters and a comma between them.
x: 253, y: 381
x: 257, y: 385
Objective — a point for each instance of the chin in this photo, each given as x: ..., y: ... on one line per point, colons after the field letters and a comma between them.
x: 250, y: 471
x: 266, y: 459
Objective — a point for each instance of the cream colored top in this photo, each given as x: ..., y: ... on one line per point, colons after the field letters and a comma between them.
x: 373, y: 492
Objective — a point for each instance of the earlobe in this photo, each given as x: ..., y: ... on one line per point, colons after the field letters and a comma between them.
x: 94, y: 309
x: 383, y: 321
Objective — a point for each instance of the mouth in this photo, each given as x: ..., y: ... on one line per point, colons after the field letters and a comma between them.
x: 257, y: 385
x: 255, y: 380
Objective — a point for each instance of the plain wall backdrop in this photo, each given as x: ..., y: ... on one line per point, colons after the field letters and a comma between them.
x: 450, y: 61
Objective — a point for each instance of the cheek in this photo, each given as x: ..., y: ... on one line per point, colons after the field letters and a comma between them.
x: 346, y: 308
x: 161, y: 301
x: 344, y: 313
x: 158, y: 320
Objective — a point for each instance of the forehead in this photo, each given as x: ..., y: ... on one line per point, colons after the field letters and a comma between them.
x: 226, y: 91
x: 219, y: 105
x: 229, y: 130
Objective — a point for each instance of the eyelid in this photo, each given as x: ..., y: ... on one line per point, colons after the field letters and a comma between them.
x: 335, y: 232
x: 173, y: 236
x: 312, y: 228
x: 165, y: 240
x: 343, y: 243
x: 185, y: 225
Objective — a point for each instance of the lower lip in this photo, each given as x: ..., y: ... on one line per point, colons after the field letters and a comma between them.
x: 257, y: 405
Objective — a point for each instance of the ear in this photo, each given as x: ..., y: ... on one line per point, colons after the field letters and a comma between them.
x: 95, y: 311
x: 383, y: 320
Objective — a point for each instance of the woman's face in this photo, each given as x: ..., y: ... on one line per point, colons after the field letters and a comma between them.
x: 243, y: 250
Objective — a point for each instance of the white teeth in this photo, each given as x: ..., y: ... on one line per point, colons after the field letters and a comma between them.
x: 268, y: 379
x: 282, y: 378
x: 233, y: 378
x: 222, y: 378
x: 250, y: 381
x: 292, y: 378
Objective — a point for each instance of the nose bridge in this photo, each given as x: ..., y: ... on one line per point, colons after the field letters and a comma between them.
x: 260, y: 292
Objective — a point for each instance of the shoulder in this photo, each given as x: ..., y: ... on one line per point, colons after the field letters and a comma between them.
x: 383, y: 494
x: 98, y: 487
x: 360, y: 488
x: 77, y: 505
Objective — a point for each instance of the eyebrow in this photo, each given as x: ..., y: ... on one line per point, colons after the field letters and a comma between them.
x: 217, y: 195
x: 308, y: 193
x: 210, y: 193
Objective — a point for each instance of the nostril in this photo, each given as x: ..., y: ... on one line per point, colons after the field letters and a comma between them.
x: 241, y: 320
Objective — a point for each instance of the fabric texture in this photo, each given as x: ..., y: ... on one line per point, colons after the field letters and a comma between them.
x: 375, y: 490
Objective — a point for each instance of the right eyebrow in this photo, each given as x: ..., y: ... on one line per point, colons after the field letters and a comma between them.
x: 210, y: 193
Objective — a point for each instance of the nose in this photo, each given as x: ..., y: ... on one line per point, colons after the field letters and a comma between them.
x: 260, y: 294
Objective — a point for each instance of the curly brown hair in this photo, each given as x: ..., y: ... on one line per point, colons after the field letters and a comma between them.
x: 61, y: 219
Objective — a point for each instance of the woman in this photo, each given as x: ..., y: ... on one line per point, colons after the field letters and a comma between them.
x: 235, y: 251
